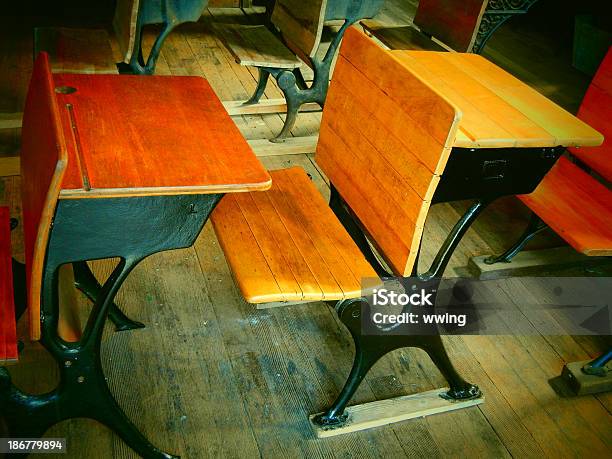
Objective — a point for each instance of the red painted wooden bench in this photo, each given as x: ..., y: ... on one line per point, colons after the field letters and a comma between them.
x: 8, y: 332
x: 575, y: 199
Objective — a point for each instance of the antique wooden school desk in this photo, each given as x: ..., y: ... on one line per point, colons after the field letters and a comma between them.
x: 112, y: 166
x: 499, y: 137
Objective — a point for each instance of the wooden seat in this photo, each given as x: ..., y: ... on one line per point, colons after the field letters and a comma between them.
x: 76, y: 50
x: 258, y: 47
x: 286, y: 245
x: 8, y: 330
x: 575, y: 206
x: 73, y: 50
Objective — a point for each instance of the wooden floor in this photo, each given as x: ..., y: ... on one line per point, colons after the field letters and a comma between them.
x: 211, y: 376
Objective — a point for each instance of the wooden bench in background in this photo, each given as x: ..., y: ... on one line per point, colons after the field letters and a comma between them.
x: 299, y: 28
x: 88, y: 50
x: 574, y: 199
x: 456, y: 25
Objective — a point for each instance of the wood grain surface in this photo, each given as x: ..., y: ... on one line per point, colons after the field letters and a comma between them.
x: 596, y: 110
x: 498, y: 109
x: 575, y: 206
x: 385, y: 137
x: 286, y: 244
x: 138, y: 135
x: 301, y: 23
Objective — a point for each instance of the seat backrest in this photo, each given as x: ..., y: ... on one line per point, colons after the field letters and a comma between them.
x: 596, y: 110
x: 43, y: 163
x: 384, y: 141
x: 124, y: 25
x: 454, y: 22
x: 301, y: 23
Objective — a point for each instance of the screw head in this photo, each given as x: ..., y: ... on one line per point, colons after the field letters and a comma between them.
x: 68, y: 363
x: 81, y: 379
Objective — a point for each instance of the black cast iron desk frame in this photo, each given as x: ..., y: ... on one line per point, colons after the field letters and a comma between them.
x: 482, y: 174
x: 131, y: 228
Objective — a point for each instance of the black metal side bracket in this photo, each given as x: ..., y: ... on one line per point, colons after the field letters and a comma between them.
x: 369, y: 347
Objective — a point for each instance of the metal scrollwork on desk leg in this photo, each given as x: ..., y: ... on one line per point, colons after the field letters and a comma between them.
x: 496, y: 13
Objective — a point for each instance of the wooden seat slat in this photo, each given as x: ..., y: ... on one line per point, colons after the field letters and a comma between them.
x: 257, y: 46
x: 575, y: 206
x: 285, y: 244
x: 252, y: 271
x: 342, y: 257
x: 8, y: 331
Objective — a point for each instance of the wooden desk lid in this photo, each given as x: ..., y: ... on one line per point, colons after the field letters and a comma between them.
x: 498, y: 109
x: 155, y: 135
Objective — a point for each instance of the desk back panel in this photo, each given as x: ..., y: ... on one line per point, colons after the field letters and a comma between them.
x: 43, y: 162
x: 454, y: 22
x: 384, y: 141
x: 301, y: 23
x: 596, y: 110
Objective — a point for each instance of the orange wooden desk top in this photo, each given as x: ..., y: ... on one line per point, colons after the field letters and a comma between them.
x: 154, y: 135
x: 498, y: 109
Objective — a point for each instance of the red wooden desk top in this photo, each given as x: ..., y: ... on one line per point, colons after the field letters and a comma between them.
x: 154, y: 135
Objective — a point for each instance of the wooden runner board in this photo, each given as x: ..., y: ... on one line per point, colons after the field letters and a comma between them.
x: 383, y: 412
